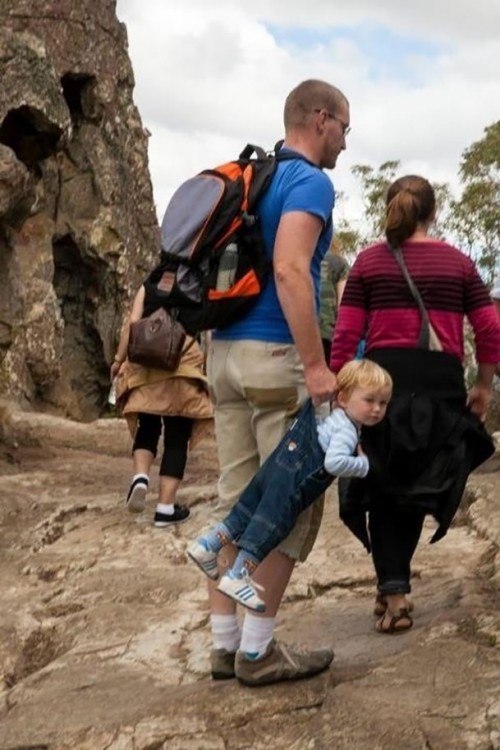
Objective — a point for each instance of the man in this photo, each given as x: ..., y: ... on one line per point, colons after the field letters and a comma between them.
x: 334, y: 273
x: 261, y: 369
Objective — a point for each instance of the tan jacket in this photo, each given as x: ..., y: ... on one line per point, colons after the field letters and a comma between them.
x: 181, y: 393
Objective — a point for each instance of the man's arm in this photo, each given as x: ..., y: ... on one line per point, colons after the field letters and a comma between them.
x: 296, y: 240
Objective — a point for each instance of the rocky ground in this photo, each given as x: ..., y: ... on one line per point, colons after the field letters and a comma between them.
x: 103, y: 631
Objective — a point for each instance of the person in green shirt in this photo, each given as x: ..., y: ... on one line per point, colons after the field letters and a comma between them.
x: 334, y: 272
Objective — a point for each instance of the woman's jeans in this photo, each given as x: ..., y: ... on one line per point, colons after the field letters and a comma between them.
x: 394, y: 535
x: 289, y: 481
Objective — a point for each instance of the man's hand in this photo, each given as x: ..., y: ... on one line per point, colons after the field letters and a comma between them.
x: 321, y: 383
x: 478, y: 401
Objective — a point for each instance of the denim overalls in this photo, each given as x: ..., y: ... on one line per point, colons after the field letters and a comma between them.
x: 289, y: 481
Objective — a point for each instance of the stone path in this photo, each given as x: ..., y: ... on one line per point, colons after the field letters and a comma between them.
x: 103, y: 630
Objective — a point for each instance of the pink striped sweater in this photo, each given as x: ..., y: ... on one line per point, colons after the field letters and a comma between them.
x: 377, y: 304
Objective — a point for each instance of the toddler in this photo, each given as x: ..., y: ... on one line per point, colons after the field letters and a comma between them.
x: 303, y: 465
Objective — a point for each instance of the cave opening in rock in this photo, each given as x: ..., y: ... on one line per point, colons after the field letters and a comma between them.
x: 77, y: 89
x: 29, y: 134
x: 79, y: 285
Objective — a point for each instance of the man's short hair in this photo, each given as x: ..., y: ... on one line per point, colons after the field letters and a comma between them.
x: 308, y: 96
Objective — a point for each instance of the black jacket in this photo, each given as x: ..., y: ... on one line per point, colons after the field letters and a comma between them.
x: 424, y: 450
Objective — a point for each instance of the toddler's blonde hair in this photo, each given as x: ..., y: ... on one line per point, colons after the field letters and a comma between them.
x: 363, y: 373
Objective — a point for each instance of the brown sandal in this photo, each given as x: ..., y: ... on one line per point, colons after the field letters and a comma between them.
x: 395, y: 621
x: 380, y: 607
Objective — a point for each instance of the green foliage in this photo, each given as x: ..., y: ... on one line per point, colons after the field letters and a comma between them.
x: 346, y: 241
x: 374, y: 186
x: 474, y: 218
x: 472, y: 221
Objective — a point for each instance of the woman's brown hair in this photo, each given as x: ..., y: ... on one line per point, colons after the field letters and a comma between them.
x: 410, y: 201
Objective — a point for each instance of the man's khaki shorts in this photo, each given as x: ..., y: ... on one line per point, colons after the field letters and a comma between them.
x: 256, y: 388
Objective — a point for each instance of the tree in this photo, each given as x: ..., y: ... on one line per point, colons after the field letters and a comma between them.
x: 472, y: 221
x: 346, y: 241
x: 474, y: 218
x: 374, y: 186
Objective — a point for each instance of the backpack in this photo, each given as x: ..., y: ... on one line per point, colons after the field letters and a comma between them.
x: 213, y: 265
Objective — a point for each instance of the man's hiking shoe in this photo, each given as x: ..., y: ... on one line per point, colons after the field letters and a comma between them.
x: 181, y: 513
x: 136, y: 498
x: 279, y: 663
x: 243, y: 590
x: 222, y: 664
x: 204, y: 558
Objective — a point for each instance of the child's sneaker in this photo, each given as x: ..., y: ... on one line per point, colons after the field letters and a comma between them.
x: 136, y: 498
x: 181, y: 513
x: 243, y: 590
x: 204, y: 558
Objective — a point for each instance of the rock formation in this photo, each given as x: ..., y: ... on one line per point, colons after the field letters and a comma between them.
x: 78, y: 229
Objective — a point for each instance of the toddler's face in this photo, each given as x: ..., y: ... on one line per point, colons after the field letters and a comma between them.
x: 365, y: 406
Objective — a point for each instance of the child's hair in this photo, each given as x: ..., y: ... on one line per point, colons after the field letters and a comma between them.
x: 363, y: 373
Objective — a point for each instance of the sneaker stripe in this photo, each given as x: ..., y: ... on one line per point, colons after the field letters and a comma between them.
x: 286, y: 653
x: 245, y: 593
x: 242, y: 591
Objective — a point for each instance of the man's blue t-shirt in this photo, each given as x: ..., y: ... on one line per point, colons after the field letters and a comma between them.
x: 296, y: 186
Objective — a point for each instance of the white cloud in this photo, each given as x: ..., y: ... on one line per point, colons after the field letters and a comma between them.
x: 210, y: 77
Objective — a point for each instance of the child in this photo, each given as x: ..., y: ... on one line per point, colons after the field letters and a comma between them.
x: 298, y: 471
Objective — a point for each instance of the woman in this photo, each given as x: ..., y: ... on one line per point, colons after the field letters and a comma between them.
x: 151, y: 399
x: 433, y: 437
x: 495, y: 296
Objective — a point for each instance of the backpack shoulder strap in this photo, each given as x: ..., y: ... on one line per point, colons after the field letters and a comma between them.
x: 250, y: 149
x: 290, y: 154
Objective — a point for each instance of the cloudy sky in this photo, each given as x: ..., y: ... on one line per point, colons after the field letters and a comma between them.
x: 423, y: 79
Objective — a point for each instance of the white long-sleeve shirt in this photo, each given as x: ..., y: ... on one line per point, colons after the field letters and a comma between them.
x: 339, y: 438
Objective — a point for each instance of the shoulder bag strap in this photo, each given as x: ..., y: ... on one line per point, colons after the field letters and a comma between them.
x: 424, y: 336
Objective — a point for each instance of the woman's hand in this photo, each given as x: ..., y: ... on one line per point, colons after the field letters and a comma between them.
x: 478, y: 401
x: 115, y: 368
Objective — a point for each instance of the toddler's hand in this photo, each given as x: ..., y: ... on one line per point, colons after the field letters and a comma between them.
x: 360, y: 451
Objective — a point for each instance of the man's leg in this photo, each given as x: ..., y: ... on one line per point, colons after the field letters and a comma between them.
x: 238, y: 462
x: 260, y: 659
x: 257, y: 389
x: 246, y: 392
